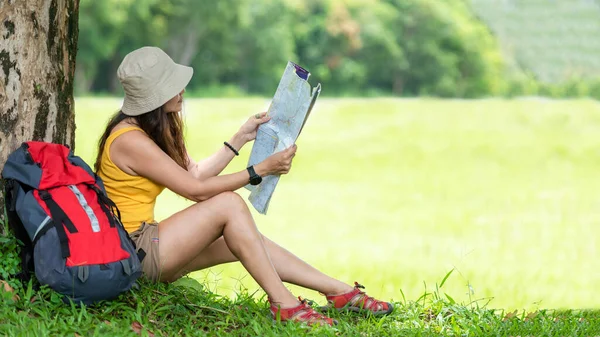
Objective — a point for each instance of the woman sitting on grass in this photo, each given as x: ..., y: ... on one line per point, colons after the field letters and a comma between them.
x: 142, y: 151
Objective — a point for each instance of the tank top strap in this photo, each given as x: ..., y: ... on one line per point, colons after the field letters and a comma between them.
x: 119, y: 132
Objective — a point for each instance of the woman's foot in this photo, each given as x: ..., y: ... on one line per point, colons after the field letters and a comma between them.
x: 358, y: 301
x: 300, y: 313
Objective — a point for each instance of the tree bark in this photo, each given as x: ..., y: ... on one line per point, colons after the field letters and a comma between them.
x: 38, y: 47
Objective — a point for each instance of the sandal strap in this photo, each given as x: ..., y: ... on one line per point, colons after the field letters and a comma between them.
x: 357, y: 298
x: 303, y: 312
x: 364, y: 301
x: 308, y: 314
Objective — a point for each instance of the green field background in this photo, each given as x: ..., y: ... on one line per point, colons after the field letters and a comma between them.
x: 394, y: 193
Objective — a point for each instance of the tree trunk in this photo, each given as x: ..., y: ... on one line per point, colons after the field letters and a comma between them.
x: 398, y: 85
x: 38, y: 47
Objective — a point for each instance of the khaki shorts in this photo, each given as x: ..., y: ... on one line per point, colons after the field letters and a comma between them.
x: 146, y: 238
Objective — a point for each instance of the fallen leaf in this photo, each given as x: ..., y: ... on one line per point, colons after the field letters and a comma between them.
x: 33, y: 299
x: 510, y: 315
x: 107, y: 322
x: 9, y: 289
x: 77, y: 335
x: 7, y: 286
x: 137, y: 328
x: 531, y: 315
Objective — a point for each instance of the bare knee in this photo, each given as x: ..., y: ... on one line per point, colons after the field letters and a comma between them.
x: 228, y: 203
x: 229, y: 199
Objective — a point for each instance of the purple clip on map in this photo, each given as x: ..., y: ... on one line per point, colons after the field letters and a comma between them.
x: 301, y: 72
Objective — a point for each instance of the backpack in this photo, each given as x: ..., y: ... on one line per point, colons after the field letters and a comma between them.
x: 71, y: 232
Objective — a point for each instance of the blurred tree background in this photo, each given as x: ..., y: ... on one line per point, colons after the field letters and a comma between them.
x: 450, y: 48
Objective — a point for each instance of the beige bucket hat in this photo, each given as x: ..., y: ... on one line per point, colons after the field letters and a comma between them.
x: 150, y: 78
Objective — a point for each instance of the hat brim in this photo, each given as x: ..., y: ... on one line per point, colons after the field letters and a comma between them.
x: 172, y: 85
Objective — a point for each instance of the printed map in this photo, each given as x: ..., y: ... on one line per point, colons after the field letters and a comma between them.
x: 289, y: 110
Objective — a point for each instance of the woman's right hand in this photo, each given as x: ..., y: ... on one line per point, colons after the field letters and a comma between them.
x: 278, y: 163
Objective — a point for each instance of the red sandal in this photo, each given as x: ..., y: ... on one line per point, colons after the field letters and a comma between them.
x: 358, y: 301
x: 300, y: 313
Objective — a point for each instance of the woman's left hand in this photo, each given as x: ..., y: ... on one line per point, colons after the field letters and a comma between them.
x: 248, y: 129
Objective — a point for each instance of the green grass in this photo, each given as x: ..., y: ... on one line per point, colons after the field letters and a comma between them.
x: 186, y: 308
x: 394, y: 194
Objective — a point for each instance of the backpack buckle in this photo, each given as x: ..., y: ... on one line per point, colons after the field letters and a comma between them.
x: 45, y: 195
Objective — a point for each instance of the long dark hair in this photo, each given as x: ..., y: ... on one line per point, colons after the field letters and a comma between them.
x: 165, y: 129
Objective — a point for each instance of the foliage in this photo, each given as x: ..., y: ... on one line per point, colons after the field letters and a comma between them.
x: 354, y: 47
x: 10, y: 261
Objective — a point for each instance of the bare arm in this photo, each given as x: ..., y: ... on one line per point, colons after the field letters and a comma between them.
x: 216, y: 163
x: 137, y: 154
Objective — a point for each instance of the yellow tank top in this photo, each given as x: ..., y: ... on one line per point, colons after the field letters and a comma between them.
x: 134, y: 195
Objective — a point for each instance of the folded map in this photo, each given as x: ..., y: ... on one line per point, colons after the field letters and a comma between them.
x: 289, y: 110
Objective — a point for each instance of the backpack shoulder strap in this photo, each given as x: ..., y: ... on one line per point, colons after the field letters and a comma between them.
x: 59, y: 219
x: 108, y: 206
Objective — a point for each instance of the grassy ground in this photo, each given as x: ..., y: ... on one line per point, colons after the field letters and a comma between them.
x: 187, y: 309
x: 395, y: 194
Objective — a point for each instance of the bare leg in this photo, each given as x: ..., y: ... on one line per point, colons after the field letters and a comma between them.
x: 187, y: 233
x: 289, y: 267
